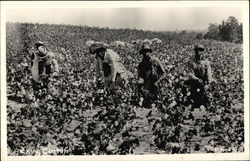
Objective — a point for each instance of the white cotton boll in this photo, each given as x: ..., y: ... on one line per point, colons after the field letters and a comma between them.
x: 208, y: 148
x: 134, y: 108
x: 234, y: 149
x: 116, y: 123
x: 241, y: 149
x: 133, y: 123
x: 146, y: 128
x: 152, y: 139
x: 34, y: 104
x: 166, y: 116
x: 219, y: 111
x: 23, y: 91
x: 85, y: 104
x: 44, y: 150
x: 202, y: 108
x: 38, y: 152
x: 217, y: 150
x: 173, y: 104
x: 141, y: 99
x: 22, y: 150
x: 110, y: 147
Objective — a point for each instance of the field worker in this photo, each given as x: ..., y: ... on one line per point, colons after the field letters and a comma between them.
x: 200, y: 76
x: 150, y: 71
x: 109, y: 61
x: 43, y: 63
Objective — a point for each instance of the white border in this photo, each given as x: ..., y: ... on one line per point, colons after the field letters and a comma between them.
x: 128, y: 4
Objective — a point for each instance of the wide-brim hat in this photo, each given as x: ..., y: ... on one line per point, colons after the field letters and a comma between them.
x: 89, y: 43
x: 199, y: 47
x: 145, y: 48
x: 97, y: 45
x: 41, y: 53
x: 39, y: 43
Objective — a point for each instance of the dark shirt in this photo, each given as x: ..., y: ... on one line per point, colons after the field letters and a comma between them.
x: 150, y: 69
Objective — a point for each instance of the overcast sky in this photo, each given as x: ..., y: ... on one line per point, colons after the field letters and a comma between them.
x: 155, y: 19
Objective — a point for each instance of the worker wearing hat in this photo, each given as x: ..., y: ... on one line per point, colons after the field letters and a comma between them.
x: 200, y: 76
x: 150, y: 70
x: 199, y: 68
x: 114, y: 73
x: 43, y: 63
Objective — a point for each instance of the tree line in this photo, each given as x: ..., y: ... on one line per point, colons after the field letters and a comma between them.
x: 229, y: 30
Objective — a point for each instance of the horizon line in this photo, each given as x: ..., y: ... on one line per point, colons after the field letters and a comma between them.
x: 114, y: 28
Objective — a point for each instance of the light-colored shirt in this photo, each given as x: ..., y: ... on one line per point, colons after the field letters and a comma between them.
x: 201, y: 70
x: 48, y: 60
x: 112, y: 59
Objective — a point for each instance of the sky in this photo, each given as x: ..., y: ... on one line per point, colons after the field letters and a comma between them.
x: 154, y: 19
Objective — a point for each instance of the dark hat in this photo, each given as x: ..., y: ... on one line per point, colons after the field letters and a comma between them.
x: 39, y: 43
x: 199, y: 47
x: 97, y: 45
x: 145, y: 48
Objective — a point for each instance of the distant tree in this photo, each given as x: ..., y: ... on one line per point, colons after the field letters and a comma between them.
x: 183, y: 32
x: 213, y: 32
x: 199, y: 36
x: 229, y: 30
x: 240, y: 33
x: 224, y: 31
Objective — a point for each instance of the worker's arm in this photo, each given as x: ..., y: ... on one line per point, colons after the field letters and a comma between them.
x: 54, y: 62
x: 209, y: 72
x: 97, y: 69
x: 160, y: 71
x: 56, y: 66
x: 192, y: 74
x: 113, y: 69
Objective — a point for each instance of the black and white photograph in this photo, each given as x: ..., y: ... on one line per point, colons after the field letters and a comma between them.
x: 130, y: 80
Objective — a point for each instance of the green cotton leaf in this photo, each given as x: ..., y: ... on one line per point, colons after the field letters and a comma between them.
x: 70, y: 134
x: 110, y: 147
x: 27, y: 123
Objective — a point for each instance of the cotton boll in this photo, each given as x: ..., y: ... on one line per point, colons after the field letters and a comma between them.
x: 202, y: 108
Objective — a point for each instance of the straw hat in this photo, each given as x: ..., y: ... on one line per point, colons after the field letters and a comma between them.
x: 97, y: 45
x: 145, y: 48
x: 199, y: 47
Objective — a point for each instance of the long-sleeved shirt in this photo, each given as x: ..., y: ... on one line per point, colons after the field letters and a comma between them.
x: 111, y: 65
x: 151, y: 71
x: 43, y: 65
x: 201, y: 71
x: 151, y: 68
